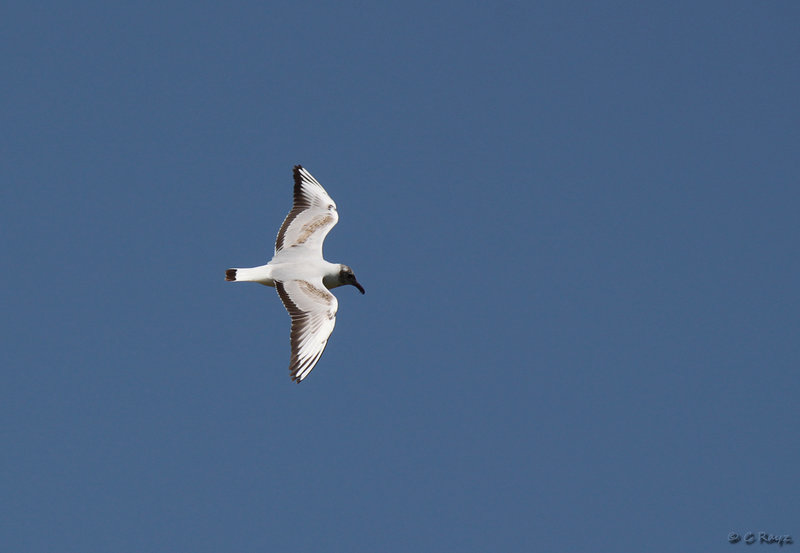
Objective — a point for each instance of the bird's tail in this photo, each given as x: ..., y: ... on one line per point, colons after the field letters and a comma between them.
x: 253, y: 274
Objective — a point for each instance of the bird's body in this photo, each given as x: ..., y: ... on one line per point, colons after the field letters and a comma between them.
x: 280, y: 269
x: 300, y: 274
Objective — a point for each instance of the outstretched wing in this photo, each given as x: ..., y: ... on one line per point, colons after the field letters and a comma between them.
x: 312, y: 216
x: 313, y: 311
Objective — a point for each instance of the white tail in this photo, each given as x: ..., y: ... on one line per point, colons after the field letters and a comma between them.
x: 254, y: 274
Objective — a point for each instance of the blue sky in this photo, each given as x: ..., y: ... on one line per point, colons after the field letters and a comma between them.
x: 576, y: 223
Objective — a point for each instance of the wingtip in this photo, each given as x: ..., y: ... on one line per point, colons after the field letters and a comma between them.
x: 230, y: 275
x: 298, y: 177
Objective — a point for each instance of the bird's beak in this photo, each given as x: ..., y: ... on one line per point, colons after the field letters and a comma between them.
x: 357, y: 285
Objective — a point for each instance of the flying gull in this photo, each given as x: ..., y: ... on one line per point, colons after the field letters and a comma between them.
x: 300, y: 274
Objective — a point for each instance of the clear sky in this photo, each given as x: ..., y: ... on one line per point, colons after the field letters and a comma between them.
x: 576, y: 223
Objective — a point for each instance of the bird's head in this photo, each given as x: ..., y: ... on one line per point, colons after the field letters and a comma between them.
x: 346, y: 276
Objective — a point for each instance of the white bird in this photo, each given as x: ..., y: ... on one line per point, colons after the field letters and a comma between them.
x: 300, y: 274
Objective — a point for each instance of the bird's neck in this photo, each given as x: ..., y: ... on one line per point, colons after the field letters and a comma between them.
x: 331, y: 278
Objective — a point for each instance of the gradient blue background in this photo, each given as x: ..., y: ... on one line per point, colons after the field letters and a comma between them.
x: 577, y: 225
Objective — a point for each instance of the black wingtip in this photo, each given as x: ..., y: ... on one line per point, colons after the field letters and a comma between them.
x: 298, y: 178
x: 230, y: 275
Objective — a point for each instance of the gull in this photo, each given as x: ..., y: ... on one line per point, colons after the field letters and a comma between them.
x: 300, y: 274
